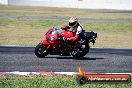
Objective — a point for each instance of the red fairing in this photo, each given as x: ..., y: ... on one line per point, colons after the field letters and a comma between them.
x: 74, y: 38
x: 48, y: 33
x: 45, y: 42
x: 67, y: 34
x: 70, y: 35
x: 52, y: 36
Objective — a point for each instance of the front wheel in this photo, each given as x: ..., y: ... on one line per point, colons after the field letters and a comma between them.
x: 80, y: 52
x: 40, y: 51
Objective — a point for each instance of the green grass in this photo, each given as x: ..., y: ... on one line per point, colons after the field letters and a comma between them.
x: 50, y: 82
x: 24, y: 32
x: 30, y: 32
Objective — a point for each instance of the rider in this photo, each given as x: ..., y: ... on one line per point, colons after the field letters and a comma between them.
x: 76, y: 28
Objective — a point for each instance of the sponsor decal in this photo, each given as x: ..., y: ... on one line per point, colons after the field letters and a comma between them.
x: 84, y: 77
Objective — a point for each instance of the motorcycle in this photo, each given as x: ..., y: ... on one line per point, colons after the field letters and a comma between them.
x: 56, y: 43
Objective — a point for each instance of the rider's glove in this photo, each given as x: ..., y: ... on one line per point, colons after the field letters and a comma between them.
x: 64, y: 39
x: 68, y: 39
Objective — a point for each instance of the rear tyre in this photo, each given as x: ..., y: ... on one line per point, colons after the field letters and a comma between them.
x: 85, y: 49
x: 40, y: 51
x: 78, y: 53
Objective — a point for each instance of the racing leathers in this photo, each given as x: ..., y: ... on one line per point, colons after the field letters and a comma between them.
x: 77, y: 31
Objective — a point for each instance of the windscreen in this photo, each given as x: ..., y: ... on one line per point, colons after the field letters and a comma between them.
x: 56, y: 30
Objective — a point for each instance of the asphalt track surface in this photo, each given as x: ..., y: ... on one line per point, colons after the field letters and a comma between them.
x: 105, y: 60
x: 64, y: 19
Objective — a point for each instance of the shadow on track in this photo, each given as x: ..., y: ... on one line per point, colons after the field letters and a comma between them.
x: 83, y: 58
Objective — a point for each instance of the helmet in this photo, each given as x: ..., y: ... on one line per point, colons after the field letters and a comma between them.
x: 73, y: 21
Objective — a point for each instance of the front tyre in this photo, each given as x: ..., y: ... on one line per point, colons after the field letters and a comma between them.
x: 40, y: 51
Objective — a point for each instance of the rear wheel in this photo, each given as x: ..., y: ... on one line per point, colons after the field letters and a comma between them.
x: 40, y: 51
x: 85, y: 49
x: 80, y: 52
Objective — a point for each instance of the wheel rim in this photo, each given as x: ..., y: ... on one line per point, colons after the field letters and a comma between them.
x: 83, y: 48
x: 75, y: 51
x: 42, y: 50
x: 81, y: 51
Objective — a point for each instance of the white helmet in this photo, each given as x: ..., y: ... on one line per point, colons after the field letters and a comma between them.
x: 73, y: 21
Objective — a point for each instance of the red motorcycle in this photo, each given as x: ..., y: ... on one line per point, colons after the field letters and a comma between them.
x: 56, y: 43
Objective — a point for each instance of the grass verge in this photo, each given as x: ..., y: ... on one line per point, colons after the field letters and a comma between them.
x: 50, y: 82
x: 30, y: 32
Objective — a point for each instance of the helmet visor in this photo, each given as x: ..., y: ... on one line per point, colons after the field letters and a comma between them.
x: 71, y: 24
